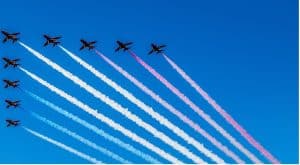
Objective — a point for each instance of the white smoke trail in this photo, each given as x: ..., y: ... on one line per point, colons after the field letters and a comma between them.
x: 103, y: 118
x: 80, y: 138
x: 93, y: 128
x: 63, y: 146
x: 162, y: 120
x: 172, y: 109
x: 183, y: 150
x: 221, y: 111
x: 195, y: 108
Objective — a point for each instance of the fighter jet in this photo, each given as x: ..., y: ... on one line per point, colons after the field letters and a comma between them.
x: 12, y: 36
x: 124, y: 46
x: 9, y: 83
x: 156, y: 48
x: 86, y: 44
x: 14, y: 104
x: 12, y: 122
x: 9, y: 62
x: 51, y: 40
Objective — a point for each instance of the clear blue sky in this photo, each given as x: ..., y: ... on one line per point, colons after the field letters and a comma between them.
x: 243, y: 53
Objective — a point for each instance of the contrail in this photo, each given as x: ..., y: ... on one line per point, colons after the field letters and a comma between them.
x: 162, y: 120
x: 80, y: 138
x: 173, y: 110
x: 93, y: 128
x: 102, y: 118
x: 63, y: 146
x: 160, y: 135
x: 196, y: 109
x: 222, y: 112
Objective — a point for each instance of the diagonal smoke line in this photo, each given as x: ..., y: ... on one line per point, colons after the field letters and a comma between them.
x: 63, y: 146
x: 113, y: 104
x: 80, y: 138
x: 222, y: 112
x: 195, y: 108
x: 162, y: 120
x: 93, y: 128
x: 102, y: 118
x: 172, y: 109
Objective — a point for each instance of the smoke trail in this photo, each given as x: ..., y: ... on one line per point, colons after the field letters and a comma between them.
x: 63, y: 146
x: 80, y: 138
x: 102, y: 118
x: 162, y: 120
x: 183, y: 150
x: 196, y: 109
x: 173, y: 110
x: 222, y: 112
x: 94, y: 129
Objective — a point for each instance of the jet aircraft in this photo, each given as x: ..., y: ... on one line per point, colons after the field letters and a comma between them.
x: 10, y: 36
x: 13, y: 62
x: 9, y: 83
x: 86, y: 44
x: 124, y: 46
x: 12, y: 122
x: 11, y: 103
x: 156, y: 48
x: 51, y: 40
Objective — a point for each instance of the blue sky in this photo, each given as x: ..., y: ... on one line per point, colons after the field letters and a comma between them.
x: 243, y: 53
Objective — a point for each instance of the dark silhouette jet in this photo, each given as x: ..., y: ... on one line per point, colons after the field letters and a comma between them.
x: 124, y: 46
x: 13, y: 63
x: 8, y: 36
x: 12, y: 122
x: 51, y: 40
x: 156, y: 48
x: 9, y: 83
x: 14, y: 104
x: 86, y: 44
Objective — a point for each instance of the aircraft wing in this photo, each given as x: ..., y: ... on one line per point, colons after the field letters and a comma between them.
x: 56, y: 38
x: 151, y: 51
x: 128, y: 43
x: 93, y: 42
x: 16, y: 34
x: 4, y: 32
x: 46, y: 43
x: 47, y: 37
x: 83, y: 41
x: 16, y: 59
x: 117, y: 49
x: 81, y: 48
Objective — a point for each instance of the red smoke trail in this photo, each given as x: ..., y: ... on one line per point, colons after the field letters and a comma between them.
x: 223, y: 113
x: 196, y: 109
